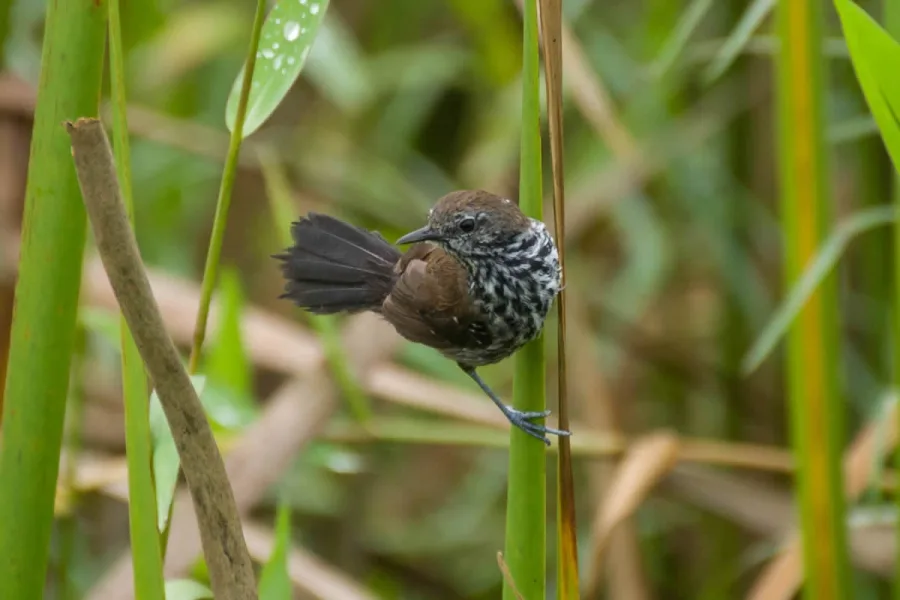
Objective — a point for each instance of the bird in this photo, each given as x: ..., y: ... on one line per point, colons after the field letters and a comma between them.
x: 476, y: 283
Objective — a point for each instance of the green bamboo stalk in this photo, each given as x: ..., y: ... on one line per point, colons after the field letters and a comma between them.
x: 816, y: 410
x: 526, y: 527
x: 43, y: 329
x: 145, y: 544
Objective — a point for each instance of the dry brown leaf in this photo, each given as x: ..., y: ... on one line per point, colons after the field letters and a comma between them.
x: 647, y: 461
x: 507, y: 576
x: 624, y: 571
x: 412, y: 389
x: 272, y: 341
x: 784, y: 575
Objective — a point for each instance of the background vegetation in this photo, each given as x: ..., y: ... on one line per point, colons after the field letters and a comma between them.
x: 678, y: 218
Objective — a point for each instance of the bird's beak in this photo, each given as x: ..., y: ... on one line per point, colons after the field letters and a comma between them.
x: 419, y: 235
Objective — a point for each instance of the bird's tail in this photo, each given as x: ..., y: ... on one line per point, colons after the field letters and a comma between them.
x: 336, y: 267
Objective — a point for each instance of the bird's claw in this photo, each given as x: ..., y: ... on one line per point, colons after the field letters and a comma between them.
x: 522, y: 420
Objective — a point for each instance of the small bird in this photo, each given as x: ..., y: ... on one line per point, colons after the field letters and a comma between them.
x: 476, y: 284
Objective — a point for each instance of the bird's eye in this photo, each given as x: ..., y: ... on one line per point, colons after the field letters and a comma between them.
x: 467, y: 225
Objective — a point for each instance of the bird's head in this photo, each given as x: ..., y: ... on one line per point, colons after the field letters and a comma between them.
x: 472, y: 223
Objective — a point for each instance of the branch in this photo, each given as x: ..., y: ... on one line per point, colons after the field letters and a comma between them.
x: 224, y: 548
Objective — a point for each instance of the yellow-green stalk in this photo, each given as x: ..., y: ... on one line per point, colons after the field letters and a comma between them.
x: 816, y: 409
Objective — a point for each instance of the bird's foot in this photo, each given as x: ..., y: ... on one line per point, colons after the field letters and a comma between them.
x: 522, y: 420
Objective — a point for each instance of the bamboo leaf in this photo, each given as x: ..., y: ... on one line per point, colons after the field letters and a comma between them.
x: 228, y: 393
x: 275, y: 582
x: 646, y: 463
x: 818, y: 269
x: 875, y: 56
x: 738, y: 39
x: 287, y: 36
x: 681, y: 34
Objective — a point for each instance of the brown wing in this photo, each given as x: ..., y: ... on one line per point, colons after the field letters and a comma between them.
x: 429, y: 303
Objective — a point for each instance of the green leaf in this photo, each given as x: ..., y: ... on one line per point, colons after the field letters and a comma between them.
x: 275, y: 583
x: 813, y: 275
x: 688, y: 23
x: 287, y: 36
x: 228, y: 395
x: 186, y: 589
x: 166, y: 462
x: 228, y: 364
x: 738, y: 39
x: 875, y: 56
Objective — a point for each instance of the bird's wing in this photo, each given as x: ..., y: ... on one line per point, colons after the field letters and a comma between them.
x: 429, y: 303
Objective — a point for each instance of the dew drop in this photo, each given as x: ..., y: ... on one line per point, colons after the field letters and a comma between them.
x: 277, y: 64
x: 314, y: 9
x: 275, y: 46
x: 268, y: 53
x: 278, y: 21
x: 290, y: 60
x: 291, y: 31
x: 303, y: 2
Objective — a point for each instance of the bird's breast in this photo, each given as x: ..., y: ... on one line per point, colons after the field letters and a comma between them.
x: 513, y: 295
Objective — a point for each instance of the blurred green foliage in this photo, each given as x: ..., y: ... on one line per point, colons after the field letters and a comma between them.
x: 674, y: 252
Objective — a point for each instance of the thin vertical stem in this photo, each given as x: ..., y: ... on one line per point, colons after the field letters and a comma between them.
x: 145, y: 542
x: 229, y: 173
x: 566, y: 529
x: 816, y: 411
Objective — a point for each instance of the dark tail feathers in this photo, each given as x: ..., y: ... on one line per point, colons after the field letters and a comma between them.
x: 336, y: 267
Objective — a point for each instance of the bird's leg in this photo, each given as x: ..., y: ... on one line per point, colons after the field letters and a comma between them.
x: 520, y: 419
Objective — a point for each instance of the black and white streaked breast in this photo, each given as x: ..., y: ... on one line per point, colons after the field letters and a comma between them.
x: 513, y: 285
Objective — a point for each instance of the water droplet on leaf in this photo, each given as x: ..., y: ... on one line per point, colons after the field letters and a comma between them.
x: 291, y: 31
